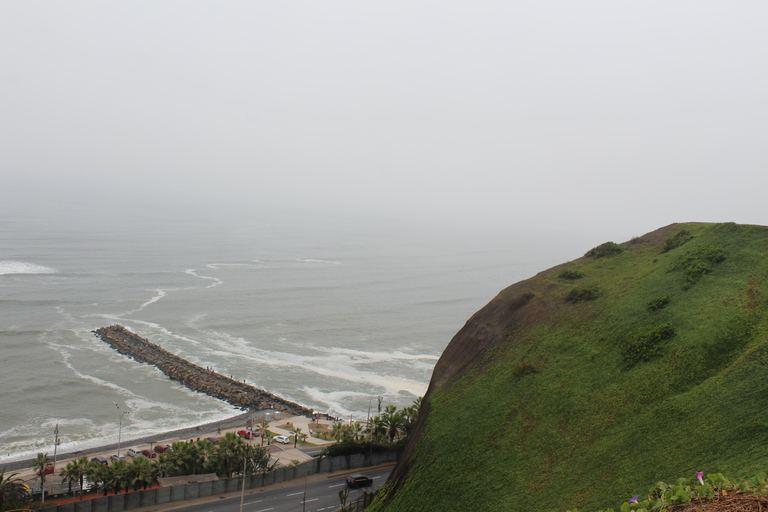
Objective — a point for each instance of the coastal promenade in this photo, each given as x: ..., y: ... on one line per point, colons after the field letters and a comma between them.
x: 285, y: 455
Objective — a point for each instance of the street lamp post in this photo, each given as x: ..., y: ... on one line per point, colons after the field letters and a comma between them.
x: 55, y: 447
x: 119, y: 430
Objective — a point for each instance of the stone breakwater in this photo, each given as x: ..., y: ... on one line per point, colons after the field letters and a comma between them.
x: 195, y: 377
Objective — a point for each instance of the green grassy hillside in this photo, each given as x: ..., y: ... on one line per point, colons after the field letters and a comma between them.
x: 595, y: 379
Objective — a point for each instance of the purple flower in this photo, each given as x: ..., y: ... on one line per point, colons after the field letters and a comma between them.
x: 633, y: 499
x: 700, y: 474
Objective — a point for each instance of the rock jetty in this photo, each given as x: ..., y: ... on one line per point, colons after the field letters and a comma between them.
x: 195, y: 377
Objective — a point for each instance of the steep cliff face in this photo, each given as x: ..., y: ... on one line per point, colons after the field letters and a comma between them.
x: 593, y: 380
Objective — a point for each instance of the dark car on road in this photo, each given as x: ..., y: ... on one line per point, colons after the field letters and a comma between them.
x: 355, y: 481
x: 100, y: 460
x: 162, y: 448
x: 214, y: 440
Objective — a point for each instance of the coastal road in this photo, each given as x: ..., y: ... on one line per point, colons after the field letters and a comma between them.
x: 322, y: 495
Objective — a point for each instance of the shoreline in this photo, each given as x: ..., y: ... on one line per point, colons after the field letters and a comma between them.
x: 189, y: 432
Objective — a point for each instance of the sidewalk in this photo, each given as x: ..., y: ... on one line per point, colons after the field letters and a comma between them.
x: 284, y: 454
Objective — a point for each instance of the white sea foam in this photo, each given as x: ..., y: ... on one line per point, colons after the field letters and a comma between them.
x: 375, y: 357
x: 318, y: 261
x: 160, y: 294
x: 339, y: 366
x: 216, y: 280
x: 333, y: 399
x: 254, y: 264
x: 20, y: 267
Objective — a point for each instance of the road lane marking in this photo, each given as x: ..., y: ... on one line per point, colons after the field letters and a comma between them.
x: 295, y: 493
x: 313, y: 499
x: 265, y: 509
x: 251, y: 502
x: 337, y: 485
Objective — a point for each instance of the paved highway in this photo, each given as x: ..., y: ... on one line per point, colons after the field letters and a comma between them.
x: 321, y: 495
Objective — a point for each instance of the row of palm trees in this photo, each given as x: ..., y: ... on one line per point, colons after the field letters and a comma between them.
x: 391, y: 425
x: 230, y: 456
x: 13, y: 492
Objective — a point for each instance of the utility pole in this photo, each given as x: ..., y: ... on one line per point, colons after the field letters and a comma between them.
x: 242, y: 491
x: 119, y: 430
x: 55, y: 447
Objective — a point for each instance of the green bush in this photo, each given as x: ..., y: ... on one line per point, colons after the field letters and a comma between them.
x: 570, y: 275
x: 700, y: 261
x: 657, y: 303
x: 604, y: 250
x: 676, y: 241
x: 524, y: 369
x: 582, y: 294
x: 647, y: 346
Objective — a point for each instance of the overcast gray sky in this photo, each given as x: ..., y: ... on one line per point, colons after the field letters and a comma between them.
x: 613, y: 117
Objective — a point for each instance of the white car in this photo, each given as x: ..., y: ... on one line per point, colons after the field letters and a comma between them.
x: 282, y: 439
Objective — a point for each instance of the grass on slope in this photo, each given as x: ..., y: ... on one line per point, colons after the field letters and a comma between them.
x: 610, y: 393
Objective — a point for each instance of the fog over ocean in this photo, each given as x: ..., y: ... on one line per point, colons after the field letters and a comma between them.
x: 323, y: 312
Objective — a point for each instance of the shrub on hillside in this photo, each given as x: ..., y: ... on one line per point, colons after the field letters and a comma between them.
x: 700, y: 261
x: 582, y: 294
x: 524, y: 369
x: 604, y: 250
x: 657, y: 303
x: 570, y: 275
x: 647, y: 346
x: 676, y: 241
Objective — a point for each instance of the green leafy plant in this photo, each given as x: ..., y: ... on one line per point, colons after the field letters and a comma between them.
x: 658, y: 303
x: 647, y: 346
x: 570, y: 275
x: 605, y: 250
x: 582, y: 294
x: 700, y: 261
x: 681, y: 238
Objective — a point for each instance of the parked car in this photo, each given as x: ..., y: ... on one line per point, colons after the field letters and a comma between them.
x: 132, y: 453
x: 48, y: 469
x: 115, y: 457
x: 355, y: 481
x: 246, y: 434
x: 100, y: 460
x: 282, y: 439
x: 214, y: 440
x: 148, y: 454
x: 162, y: 448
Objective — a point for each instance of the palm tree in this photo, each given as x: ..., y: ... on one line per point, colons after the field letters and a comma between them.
x: 264, y: 424
x: 141, y: 472
x: 98, y: 474
x: 40, y: 463
x: 376, y: 427
x: 392, y: 420
x: 356, y: 429
x: 230, y: 453
x: 117, y: 476
x: 163, y: 465
x: 11, y: 489
x: 338, y: 431
x: 77, y: 472
x: 70, y: 474
x: 296, y: 433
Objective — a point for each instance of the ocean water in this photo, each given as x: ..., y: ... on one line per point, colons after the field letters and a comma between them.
x: 327, y: 314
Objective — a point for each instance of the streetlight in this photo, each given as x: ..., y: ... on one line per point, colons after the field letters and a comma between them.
x: 119, y: 430
x: 56, y: 443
